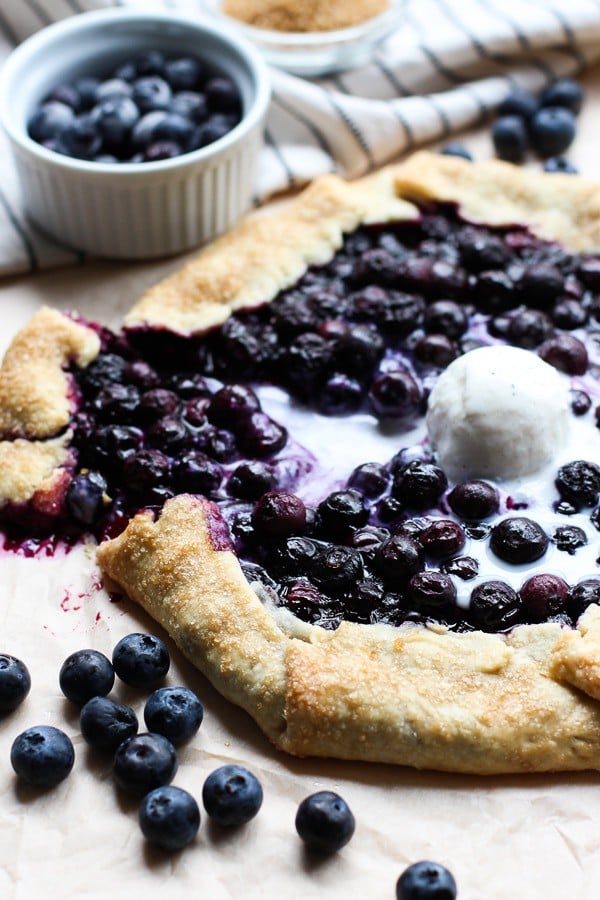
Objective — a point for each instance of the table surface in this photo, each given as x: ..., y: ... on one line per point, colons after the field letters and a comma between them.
x: 533, y: 837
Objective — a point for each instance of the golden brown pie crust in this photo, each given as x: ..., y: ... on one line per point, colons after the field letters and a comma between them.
x: 424, y: 697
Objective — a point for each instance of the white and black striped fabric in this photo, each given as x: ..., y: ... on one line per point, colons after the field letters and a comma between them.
x: 447, y: 66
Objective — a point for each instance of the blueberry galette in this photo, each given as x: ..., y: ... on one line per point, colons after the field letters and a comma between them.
x: 348, y: 457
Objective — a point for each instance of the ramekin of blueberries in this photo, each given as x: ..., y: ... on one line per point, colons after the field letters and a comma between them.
x: 134, y: 134
x: 145, y: 763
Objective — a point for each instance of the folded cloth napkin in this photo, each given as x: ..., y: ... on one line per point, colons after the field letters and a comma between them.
x: 448, y: 65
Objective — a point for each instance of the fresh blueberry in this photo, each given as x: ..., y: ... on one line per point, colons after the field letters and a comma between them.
x: 564, y: 92
x: 85, y: 499
x: 184, y: 73
x: 175, y: 712
x: 161, y: 149
x: 519, y: 103
x: 232, y: 795
x: 49, y: 120
x: 141, y: 660
x: 143, y: 131
x: 222, y: 96
x: 151, y: 93
x: 325, y: 822
x: 173, y: 127
x: 191, y: 105
x: 86, y: 674
x: 457, y: 149
x: 151, y: 62
x: 112, y: 88
x: 518, y: 540
x: 115, y: 118
x: 552, y: 131
x: 169, y: 817
x: 210, y: 131
x: 67, y: 94
x: 510, y: 138
x: 426, y: 881
x: 15, y: 682
x: 560, y: 165
x: 144, y: 762
x: 106, y: 724
x: 42, y: 755
x: 80, y: 138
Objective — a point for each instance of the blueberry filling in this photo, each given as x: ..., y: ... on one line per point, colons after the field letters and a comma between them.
x: 368, y: 332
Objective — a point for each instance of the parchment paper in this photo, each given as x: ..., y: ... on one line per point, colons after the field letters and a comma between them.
x: 526, y: 837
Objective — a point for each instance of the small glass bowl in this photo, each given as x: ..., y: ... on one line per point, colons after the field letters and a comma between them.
x: 316, y: 53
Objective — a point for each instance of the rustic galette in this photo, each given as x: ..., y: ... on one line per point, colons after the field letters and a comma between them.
x: 436, y: 608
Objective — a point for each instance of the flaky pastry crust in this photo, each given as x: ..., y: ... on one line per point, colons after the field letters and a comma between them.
x: 476, y: 703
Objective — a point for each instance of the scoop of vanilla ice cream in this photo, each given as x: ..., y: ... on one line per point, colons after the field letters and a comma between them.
x: 498, y: 412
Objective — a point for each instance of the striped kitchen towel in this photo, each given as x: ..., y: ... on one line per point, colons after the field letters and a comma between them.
x: 446, y: 67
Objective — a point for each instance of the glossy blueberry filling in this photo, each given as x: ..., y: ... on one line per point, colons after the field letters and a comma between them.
x: 370, y: 331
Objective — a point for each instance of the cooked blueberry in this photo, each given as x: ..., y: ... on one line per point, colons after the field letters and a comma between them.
x: 144, y: 762
x: 431, y: 592
x: 145, y: 470
x: 222, y: 96
x: 260, y: 436
x: 446, y: 317
x: 251, y: 480
x: 305, y: 362
x: 581, y: 595
x: 106, y: 367
x: 463, y: 567
x: 357, y: 351
x: 304, y: 599
x: 232, y: 405
x: 569, y: 538
x: 42, y: 755
x: 114, y: 443
x: 579, y: 482
x: 552, y: 130
x: 340, y: 395
x: 370, y: 479
x: 184, y: 73
x: 156, y: 403
x: 589, y: 271
x: 15, y: 682
x: 402, y: 313
x: 569, y: 313
x: 85, y: 500
x: 519, y: 103
x: 175, y: 712
x: 341, y: 511
x: 442, y: 538
x: 49, y: 120
x: 293, y: 556
x: 494, y: 606
x: 218, y: 443
x: 195, y: 473
x: 188, y: 385
x: 116, y: 401
x: 474, y: 500
x: 518, y: 540
x: 560, y: 165
x: 528, y: 328
x: 510, y: 138
x: 325, y: 822
x: 368, y: 539
x: 481, y: 252
x: 543, y: 596
x: 80, y: 138
x: 426, y: 881
x: 456, y: 149
x: 169, y: 817
x: 141, y: 660
x: 279, y: 514
x: 232, y: 795
x: 106, y: 724
x: 151, y: 93
x: 395, y: 394
x: 399, y: 557
x: 566, y: 353
x: 336, y: 568
x: 390, y: 510
x: 419, y: 485
x: 563, y: 92
x: 141, y: 374
x: 495, y: 292
x: 436, y: 350
x: 169, y: 434
x: 86, y: 674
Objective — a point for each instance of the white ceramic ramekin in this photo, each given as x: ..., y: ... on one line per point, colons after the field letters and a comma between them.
x: 133, y: 210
